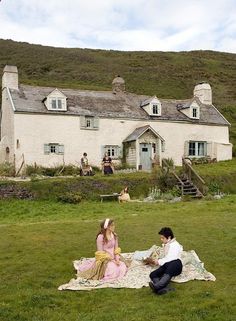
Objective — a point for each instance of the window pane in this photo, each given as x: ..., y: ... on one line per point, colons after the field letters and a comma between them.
x: 155, y: 109
x: 54, y: 104
x: 59, y: 104
x: 88, y: 123
x: 53, y: 149
x: 201, y: 151
x: 195, y: 112
x: 192, y: 149
x: 112, y: 151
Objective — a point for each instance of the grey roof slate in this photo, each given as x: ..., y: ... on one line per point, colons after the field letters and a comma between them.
x: 29, y: 99
x: 139, y: 131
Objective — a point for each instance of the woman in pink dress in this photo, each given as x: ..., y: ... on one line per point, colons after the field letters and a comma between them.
x: 107, y: 265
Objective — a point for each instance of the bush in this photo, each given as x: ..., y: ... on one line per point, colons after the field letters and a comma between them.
x: 166, y: 181
x: 72, y: 198
x: 7, y: 169
x: 31, y: 170
x: 68, y: 170
x: 214, y: 188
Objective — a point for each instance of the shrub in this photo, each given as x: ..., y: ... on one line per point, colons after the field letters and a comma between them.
x: 33, y: 170
x: 166, y: 181
x: 214, y: 188
x: 69, y: 170
x: 7, y: 169
x: 69, y: 197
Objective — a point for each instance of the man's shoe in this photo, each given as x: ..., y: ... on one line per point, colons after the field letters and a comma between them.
x: 152, y: 287
x: 165, y: 290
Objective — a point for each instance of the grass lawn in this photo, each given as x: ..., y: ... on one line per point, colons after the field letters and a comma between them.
x: 40, y: 239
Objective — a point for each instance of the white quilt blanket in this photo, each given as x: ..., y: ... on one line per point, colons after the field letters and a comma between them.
x: 137, y: 275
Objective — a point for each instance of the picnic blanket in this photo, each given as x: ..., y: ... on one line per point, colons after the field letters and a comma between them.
x: 137, y: 275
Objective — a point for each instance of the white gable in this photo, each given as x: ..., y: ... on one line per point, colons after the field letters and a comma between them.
x: 56, y: 100
x: 152, y: 106
x: 192, y: 111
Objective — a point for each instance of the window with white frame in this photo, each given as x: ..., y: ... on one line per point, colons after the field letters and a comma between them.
x: 195, y: 112
x: 53, y: 148
x: 112, y: 151
x: 57, y: 103
x: 155, y: 109
x: 197, y: 149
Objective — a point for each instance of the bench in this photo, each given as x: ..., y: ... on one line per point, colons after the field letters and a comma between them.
x: 109, y: 196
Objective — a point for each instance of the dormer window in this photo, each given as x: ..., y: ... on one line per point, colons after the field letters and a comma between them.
x: 56, y: 101
x: 152, y: 106
x: 194, y: 112
x: 155, y: 109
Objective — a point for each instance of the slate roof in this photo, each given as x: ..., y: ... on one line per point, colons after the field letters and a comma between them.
x: 138, y: 132
x: 29, y: 99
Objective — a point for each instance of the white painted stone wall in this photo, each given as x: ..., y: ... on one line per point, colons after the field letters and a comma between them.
x: 7, y: 127
x: 33, y: 131
x: 10, y: 77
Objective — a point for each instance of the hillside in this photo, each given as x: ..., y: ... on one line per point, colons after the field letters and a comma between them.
x: 165, y: 74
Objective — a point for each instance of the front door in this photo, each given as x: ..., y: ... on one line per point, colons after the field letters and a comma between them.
x: 145, y: 156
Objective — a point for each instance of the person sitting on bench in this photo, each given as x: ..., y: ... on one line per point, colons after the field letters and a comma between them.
x: 85, y: 168
x: 124, y: 195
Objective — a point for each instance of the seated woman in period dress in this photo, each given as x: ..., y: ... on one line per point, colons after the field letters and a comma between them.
x: 107, y: 166
x: 108, y: 264
x: 124, y: 195
x: 85, y: 168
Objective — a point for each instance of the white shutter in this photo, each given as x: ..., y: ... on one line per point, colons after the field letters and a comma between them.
x: 63, y: 103
x: 46, y: 149
x: 82, y: 122
x: 186, y: 148
x: 60, y: 149
x: 119, y: 151
x: 96, y: 122
x: 209, y: 149
x: 103, y: 150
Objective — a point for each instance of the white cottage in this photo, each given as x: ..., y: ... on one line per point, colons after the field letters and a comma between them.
x: 51, y: 126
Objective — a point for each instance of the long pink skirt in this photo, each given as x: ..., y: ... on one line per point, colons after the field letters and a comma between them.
x: 113, y: 271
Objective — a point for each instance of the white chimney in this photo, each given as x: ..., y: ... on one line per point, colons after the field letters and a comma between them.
x: 204, y: 93
x: 10, y: 77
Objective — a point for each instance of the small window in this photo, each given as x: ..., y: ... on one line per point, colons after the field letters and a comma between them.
x: 112, y: 151
x: 155, y: 109
x: 197, y: 149
x: 56, y: 103
x: 195, y: 112
x: 89, y: 122
x: 153, y: 148
x: 53, y: 149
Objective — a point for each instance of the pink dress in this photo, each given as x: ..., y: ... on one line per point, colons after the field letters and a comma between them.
x: 113, y: 271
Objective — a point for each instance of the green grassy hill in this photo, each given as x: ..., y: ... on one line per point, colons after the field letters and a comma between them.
x: 165, y: 74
